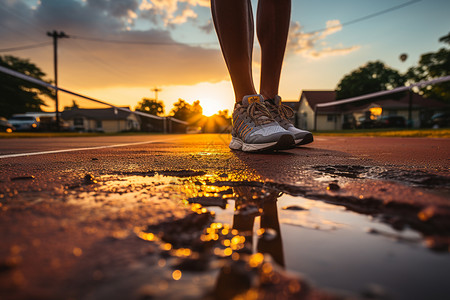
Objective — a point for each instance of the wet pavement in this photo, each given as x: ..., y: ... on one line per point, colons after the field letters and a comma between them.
x: 183, y: 217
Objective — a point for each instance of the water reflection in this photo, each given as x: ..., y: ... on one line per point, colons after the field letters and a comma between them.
x: 257, y: 233
x: 251, y: 203
x: 252, y: 273
x: 339, y: 249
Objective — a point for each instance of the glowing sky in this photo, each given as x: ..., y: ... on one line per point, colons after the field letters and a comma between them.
x: 171, y: 44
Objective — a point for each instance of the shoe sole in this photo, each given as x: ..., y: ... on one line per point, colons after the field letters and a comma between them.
x: 285, y: 142
x: 306, y: 140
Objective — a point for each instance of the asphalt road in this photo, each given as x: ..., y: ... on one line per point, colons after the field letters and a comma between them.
x: 409, y: 152
x: 431, y: 153
x: 407, y: 159
x: 65, y: 200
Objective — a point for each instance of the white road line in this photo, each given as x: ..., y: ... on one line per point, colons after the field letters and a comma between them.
x: 82, y: 149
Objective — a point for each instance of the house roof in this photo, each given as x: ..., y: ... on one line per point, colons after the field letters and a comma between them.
x: 316, y: 97
x: 96, y: 113
x: 418, y: 102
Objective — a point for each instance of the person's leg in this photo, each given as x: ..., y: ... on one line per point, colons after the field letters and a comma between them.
x: 272, y: 27
x: 233, y: 20
x: 269, y: 220
x: 254, y: 128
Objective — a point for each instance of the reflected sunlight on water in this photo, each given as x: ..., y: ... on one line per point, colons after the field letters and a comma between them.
x: 264, y: 229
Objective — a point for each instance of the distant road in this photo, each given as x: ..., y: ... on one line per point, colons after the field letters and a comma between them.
x: 23, y: 146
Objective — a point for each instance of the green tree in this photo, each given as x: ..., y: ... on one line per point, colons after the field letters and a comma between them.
x: 18, y: 95
x: 370, y: 78
x: 433, y: 65
x: 220, y: 122
x: 151, y: 106
x: 225, y: 114
x: 187, y: 112
x: 196, y: 108
x: 445, y: 39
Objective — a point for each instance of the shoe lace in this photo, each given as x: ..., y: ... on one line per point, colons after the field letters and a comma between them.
x: 282, y: 110
x: 259, y: 113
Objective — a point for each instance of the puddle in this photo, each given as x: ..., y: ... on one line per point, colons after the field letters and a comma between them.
x: 244, y: 227
x: 339, y: 249
x: 416, y: 178
x: 342, y: 250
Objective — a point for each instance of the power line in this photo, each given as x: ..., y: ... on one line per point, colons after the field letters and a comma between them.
x: 26, y: 33
x: 357, y: 20
x: 382, y: 12
x: 102, y: 40
x: 92, y: 58
x: 46, y: 84
x: 26, y: 47
x: 24, y: 19
x: 93, y: 39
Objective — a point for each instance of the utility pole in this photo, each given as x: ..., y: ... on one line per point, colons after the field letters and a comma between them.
x: 156, y: 90
x: 56, y: 35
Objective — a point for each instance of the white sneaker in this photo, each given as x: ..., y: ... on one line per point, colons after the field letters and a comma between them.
x: 282, y: 113
x: 254, y: 128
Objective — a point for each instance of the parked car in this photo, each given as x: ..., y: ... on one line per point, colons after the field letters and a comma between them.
x: 349, y: 122
x: 25, y: 122
x: 391, y: 122
x: 5, y: 126
x: 364, y: 123
x: 193, y: 129
x: 440, y: 120
x: 49, y: 124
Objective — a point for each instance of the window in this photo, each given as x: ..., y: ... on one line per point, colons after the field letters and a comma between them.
x: 330, y: 118
x: 98, y: 124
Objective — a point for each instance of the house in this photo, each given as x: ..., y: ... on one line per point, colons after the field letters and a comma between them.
x: 345, y: 116
x: 328, y: 118
x: 101, y: 119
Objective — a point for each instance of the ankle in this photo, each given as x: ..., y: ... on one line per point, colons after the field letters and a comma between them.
x: 268, y: 96
x: 239, y: 96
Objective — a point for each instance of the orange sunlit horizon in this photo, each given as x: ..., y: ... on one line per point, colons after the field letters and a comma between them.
x: 213, y: 97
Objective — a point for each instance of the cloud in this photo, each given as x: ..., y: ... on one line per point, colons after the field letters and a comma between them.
x: 115, y: 8
x: 97, y: 64
x: 313, y: 44
x: 332, y: 26
x: 145, y: 5
x: 185, y: 15
x: 78, y: 18
x: 171, y: 12
x: 205, y: 3
x: 333, y: 51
